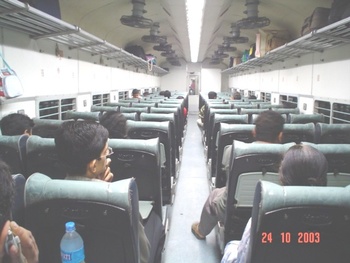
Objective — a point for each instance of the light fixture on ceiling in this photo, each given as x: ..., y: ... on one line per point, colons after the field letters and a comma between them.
x: 194, y: 13
x: 153, y: 36
x: 136, y: 19
x: 252, y: 21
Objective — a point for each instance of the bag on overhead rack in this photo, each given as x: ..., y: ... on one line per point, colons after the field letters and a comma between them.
x: 318, y: 19
x: 10, y: 85
x: 267, y: 40
x: 340, y: 9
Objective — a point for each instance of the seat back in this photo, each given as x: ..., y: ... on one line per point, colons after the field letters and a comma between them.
x: 305, y: 118
x: 251, y: 112
x: 139, y: 159
x: 46, y: 128
x: 95, y: 108
x: 106, y: 216
x: 300, y: 224
x: 118, y: 104
x: 84, y: 115
x: 18, y: 204
x: 12, y: 151
x: 338, y: 157
x: 151, y: 129
x: 42, y: 158
x: 332, y: 133
x: 249, y: 164
x: 298, y: 132
x: 227, y: 134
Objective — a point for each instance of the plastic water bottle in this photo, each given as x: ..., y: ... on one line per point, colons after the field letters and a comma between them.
x: 72, y: 245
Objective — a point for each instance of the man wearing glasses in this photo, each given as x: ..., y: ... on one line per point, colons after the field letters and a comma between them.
x: 82, y: 147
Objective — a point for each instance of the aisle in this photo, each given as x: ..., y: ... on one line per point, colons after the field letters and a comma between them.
x: 191, y: 192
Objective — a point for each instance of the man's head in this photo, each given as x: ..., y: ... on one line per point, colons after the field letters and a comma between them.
x: 236, y: 95
x: 304, y: 165
x: 7, y: 193
x: 212, y: 95
x: 16, y: 124
x: 82, y: 147
x: 135, y: 93
x: 115, y: 123
x: 167, y: 94
x: 269, y: 127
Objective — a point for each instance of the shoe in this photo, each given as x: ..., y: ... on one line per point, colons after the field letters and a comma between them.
x: 196, y: 232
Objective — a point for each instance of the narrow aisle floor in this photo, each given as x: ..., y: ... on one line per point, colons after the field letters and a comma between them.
x: 191, y: 192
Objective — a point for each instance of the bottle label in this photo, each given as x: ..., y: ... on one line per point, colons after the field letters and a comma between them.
x: 73, y: 257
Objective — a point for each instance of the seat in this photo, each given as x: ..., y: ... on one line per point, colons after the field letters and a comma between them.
x: 300, y: 224
x: 227, y: 134
x: 174, y: 126
x: 46, y: 128
x: 251, y: 112
x: 42, y: 157
x: 134, y: 110
x: 249, y: 164
x: 151, y: 129
x: 338, y: 156
x: 106, y: 216
x: 139, y: 159
x: 118, y: 104
x: 95, y: 108
x: 18, y: 203
x: 91, y: 116
x: 298, y: 132
x: 12, y: 151
x: 332, y: 133
x: 305, y: 118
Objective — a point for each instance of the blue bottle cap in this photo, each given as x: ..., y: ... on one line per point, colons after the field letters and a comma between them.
x: 70, y: 226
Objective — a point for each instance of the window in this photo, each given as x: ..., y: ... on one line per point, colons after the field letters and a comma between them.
x: 323, y: 107
x: 341, y: 113
x: 266, y: 96
x: 56, y: 109
x: 290, y: 102
x: 123, y: 95
x: 100, y: 99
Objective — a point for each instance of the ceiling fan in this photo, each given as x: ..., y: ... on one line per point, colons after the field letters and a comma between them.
x: 136, y: 19
x: 153, y: 36
x: 252, y: 21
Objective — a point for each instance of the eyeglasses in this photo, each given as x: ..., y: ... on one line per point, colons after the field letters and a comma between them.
x: 109, y: 153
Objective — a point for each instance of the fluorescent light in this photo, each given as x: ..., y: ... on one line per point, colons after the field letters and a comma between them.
x: 194, y: 12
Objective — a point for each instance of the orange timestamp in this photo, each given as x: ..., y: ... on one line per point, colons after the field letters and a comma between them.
x: 286, y: 238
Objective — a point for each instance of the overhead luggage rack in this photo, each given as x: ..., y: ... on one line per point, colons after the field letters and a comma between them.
x: 21, y: 17
x: 319, y: 40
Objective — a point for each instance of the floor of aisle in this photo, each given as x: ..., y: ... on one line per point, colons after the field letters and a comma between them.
x: 191, y: 192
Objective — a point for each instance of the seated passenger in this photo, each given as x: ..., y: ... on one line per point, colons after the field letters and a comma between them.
x: 136, y: 94
x: 236, y: 96
x: 16, y: 124
x: 82, y: 147
x: 268, y: 129
x: 201, y: 114
x: 28, y: 250
x: 302, y: 165
x: 115, y: 123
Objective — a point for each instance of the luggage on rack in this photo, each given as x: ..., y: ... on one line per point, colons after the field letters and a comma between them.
x: 137, y: 51
x: 318, y: 19
x: 267, y: 40
x: 340, y: 9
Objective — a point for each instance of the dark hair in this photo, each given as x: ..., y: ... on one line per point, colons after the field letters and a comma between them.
x: 167, y: 94
x: 268, y: 126
x: 212, y: 95
x: 304, y: 165
x: 237, y: 95
x: 115, y: 123
x: 16, y: 124
x: 78, y: 143
x: 7, y: 193
x: 135, y: 92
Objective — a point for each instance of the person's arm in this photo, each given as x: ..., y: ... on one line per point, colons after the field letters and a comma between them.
x: 28, y: 247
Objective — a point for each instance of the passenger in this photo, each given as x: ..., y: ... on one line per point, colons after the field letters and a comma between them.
x: 115, y: 123
x: 201, y: 114
x: 268, y: 129
x: 16, y: 124
x: 167, y: 94
x: 236, y: 96
x: 28, y: 251
x: 136, y: 94
x: 252, y: 97
x: 82, y: 147
x: 146, y: 94
x: 302, y: 165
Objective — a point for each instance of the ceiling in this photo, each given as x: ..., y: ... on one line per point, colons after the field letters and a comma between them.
x: 102, y: 19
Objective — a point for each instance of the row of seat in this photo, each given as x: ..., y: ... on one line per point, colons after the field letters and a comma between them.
x: 253, y: 162
x: 319, y: 133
